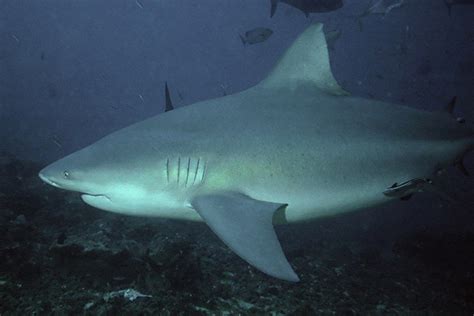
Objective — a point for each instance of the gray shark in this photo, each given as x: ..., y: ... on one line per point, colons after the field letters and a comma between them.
x: 295, y: 147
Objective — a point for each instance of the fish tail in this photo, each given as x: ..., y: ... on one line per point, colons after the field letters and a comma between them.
x: 273, y: 8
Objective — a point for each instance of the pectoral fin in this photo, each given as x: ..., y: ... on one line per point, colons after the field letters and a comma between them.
x: 245, y: 225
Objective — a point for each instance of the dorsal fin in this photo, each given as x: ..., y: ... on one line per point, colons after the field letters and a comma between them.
x: 168, y: 103
x: 306, y: 62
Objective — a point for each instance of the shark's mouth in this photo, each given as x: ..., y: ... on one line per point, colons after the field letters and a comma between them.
x: 48, y: 181
x: 92, y: 196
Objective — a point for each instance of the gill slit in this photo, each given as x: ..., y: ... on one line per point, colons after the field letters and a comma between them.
x: 167, y: 170
x: 204, y: 168
x: 187, y: 172
x: 179, y: 168
x: 196, y: 171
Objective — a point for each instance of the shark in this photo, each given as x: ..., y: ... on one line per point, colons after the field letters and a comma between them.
x: 294, y: 147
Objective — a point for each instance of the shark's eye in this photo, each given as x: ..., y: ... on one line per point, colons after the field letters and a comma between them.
x: 66, y: 174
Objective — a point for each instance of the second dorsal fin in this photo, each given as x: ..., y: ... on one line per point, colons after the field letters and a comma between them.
x: 168, y: 103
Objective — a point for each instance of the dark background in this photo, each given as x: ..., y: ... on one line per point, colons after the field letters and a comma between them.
x: 73, y: 71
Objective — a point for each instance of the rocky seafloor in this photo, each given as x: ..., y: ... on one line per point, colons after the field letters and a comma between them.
x: 59, y: 256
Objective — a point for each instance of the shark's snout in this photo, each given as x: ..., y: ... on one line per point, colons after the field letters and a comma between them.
x: 48, y: 178
x: 57, y: 176
x: 45, y: 178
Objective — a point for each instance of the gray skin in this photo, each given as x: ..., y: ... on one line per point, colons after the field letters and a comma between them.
x: 309, y: 6
x: 294, y: 147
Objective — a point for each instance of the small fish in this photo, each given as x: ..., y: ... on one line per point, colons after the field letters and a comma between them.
x: 256, y: 35
x: 382, y: 7
x: 139, y: 4
x: 406, y: 189
x: 15, y: 38
x: 451, y: 3
x: 309, y: 6
x: 56, y: 141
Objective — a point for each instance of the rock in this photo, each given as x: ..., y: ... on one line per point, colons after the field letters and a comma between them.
x: 128, y: 294
x: 88, y: 305
x: 20, y: 220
